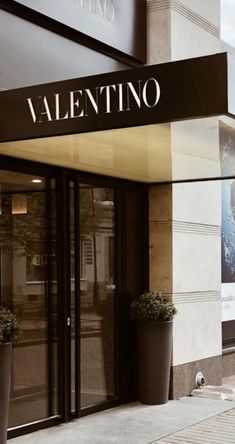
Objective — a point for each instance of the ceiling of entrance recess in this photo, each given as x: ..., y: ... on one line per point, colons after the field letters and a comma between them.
x: 183, y: 150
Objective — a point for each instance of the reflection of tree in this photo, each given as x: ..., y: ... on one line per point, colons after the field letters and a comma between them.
x: 22, y: 244
x: 93, y: 213
x: 96, y: 215
x: 24, y: 232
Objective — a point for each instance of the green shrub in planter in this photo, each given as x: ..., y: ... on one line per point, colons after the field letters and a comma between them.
x: 152, y: 306
x: 9, y: 326
x: 154, y: 315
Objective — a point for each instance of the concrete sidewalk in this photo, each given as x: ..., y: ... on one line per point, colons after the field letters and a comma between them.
x: 219, y: 429
x: 140, y: 424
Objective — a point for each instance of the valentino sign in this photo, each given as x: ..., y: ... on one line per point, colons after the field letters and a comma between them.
x: 106, y: 99
x: 149, y: 95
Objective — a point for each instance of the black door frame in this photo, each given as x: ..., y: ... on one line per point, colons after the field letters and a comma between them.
x: 63, y: 177
x: 123, y: 295
x: 96, y: 181
x: 48, y: 172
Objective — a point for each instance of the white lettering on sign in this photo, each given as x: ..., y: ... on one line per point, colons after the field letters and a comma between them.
x: 107, y: 99
x: 103, y: 8
x: 228, y: 301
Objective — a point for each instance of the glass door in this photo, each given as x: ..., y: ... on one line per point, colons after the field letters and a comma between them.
x: 27, y: 261
x: 97, y: 295
x: 63, y: 260
x: 92, y: 287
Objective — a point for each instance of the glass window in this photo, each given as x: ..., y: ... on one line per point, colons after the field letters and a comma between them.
x: 97, y: 289
x: 24, y: 265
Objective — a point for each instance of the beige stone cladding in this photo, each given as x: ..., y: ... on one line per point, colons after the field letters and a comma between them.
x: 196, y: 271
x: 181, y: 29
x: 185, y: 217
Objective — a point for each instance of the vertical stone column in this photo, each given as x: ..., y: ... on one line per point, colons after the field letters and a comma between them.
x: 185, y: 218
x: 160, y: 236
x: 158, y: 31
x: 196, y: 284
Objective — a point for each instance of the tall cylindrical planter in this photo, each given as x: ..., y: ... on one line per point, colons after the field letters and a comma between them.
x: 155, y: 348
x: 5, y: 379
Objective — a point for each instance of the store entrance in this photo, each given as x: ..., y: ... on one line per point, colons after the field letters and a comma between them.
x: 72, y: 257
x: 104, y: 265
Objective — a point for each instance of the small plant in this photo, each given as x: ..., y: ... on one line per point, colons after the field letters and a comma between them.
x: 9, y: 326
x: 152, y: 306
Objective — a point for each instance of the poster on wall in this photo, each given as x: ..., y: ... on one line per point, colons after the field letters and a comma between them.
x: 227, y: 149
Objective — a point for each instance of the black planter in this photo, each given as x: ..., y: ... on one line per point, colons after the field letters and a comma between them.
x: 154, y: 346
x: 5, y: 379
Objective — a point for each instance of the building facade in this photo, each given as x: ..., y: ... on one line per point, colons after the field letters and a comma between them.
x: 95, y: 210
x: 185, y: 217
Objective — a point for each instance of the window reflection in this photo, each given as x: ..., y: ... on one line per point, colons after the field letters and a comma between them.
x: 97, y: 290
x: 23, y: 287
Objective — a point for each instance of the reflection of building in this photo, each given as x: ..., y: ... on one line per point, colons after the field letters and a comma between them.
x: 99, y: 170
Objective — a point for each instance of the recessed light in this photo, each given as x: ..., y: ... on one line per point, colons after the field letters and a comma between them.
x: 36, y: 181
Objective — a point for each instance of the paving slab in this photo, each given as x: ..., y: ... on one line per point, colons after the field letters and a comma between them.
x: 132, y: 423
x: 219, y: 429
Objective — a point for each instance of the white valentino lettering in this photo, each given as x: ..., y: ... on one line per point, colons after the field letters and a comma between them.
x: 57, y: 109
x: 75, y: 104
x: 157, y: 92
x: 107, y: 90
x: 136, y: 95
x: 105, y: 99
